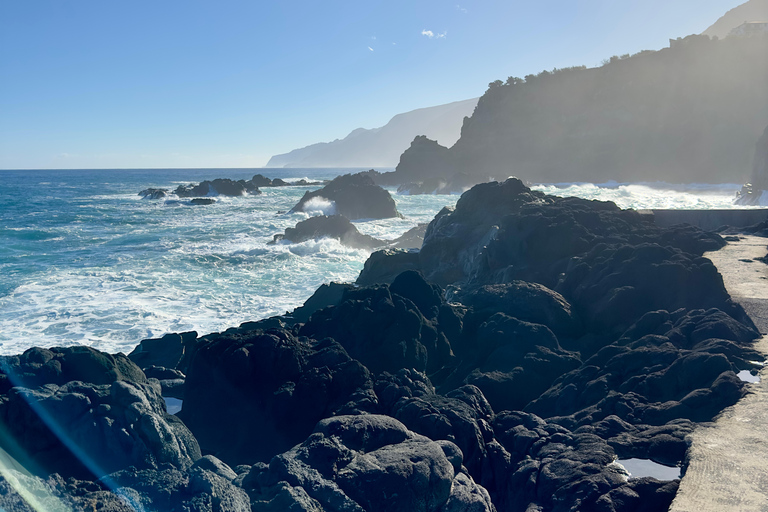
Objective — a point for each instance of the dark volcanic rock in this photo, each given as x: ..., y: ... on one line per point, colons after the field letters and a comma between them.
x: 251, y: 395
x: 171, y: 351
x: 615, y: 285
x: 154, y: 193
x: 202, y: 201
x: 260, y: 180
x: 333, y: 226
x: 499, y: 232
x: 327, y: 295
x: 368, y: 463
x: 388, y: 328
x: 39, y: 366
x: 84, y: 430
x: 355, y: 196
x: 543, y: 466
x: 217, y: 187
x: 411, y: 239
x: 662, y: 370
x: 529, y: 302
x: 382, y: 267
x: 511, y: 361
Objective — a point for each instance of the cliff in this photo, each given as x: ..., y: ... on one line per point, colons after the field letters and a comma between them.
x: 687, y: 113
x: 381, y: 147
x: 754, y: 10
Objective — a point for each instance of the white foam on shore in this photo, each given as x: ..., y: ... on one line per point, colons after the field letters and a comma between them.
x: 655, y: 195
x: 110, y: 269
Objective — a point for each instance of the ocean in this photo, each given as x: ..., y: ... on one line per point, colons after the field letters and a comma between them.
x: 85, y: 260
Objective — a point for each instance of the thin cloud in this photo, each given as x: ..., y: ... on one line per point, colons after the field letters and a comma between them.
x: 461, y: 9
x: 370, y: 48
x: 432, y: 35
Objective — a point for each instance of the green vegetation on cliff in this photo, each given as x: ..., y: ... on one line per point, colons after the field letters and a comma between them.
x: 688, y: 113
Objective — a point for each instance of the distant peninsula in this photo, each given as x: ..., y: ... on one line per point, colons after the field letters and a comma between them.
x: 382, y: 147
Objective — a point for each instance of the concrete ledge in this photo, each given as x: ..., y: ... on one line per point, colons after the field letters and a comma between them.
x: 727, y: 469
x: 709, y: 220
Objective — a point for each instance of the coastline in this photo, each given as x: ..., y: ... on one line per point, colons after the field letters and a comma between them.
x: 476, y: 386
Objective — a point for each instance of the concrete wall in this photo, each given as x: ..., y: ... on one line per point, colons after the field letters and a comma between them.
x: 709, y: 219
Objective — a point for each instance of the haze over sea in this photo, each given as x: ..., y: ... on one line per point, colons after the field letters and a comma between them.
x: 85, y: 260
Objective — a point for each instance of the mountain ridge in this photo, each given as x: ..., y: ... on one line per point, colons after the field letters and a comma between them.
x: 382, y: 146
x: 753, y: 10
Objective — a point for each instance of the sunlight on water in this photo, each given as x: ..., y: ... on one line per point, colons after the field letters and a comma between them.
x: 85, y: 260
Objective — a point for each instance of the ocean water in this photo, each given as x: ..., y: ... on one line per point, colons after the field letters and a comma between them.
x: 85, y: 260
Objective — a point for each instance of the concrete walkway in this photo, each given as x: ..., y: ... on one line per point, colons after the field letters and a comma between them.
x: 728, y: 468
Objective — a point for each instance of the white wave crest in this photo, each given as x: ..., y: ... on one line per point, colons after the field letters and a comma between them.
x: 319, y: 205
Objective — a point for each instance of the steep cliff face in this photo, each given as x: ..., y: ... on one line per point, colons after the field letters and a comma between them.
x: 754, y: 10
x: 760, y: 166
x: 688, y: 113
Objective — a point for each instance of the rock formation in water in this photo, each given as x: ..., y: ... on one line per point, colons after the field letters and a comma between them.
x: 223, y: 187
x: 354, y: 196
x: 576, y: 333
x: 329, y: 226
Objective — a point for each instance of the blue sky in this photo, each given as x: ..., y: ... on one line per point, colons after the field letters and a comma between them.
x: 229, y: 83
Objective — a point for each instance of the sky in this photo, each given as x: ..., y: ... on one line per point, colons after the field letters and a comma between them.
x: 229, y: 83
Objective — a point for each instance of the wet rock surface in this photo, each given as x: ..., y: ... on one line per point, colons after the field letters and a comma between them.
x: 531, y: 343
x: 329, y: 226
x: 354, y: 196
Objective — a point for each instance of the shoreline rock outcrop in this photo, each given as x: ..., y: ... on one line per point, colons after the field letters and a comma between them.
x: 354, y: 196
x: 531, y: 343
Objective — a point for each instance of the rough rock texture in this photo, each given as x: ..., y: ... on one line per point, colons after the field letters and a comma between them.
x: 367, y: 463
x: 217, y: 187
x: 568, y: 333
x: 154, y: 193
x: 250, y: 395
x: 329, y: 226
x: 170, y: 351
x: 327, y: 295
x: 382, y: 267
x: 39, y: 366
x: 499, y: 232
x: 664, y: 368
x: 355, y: 196
x: 80, y: 429
x: 388, y: 327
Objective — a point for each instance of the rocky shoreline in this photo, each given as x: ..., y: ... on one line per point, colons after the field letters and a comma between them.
x: 530, y: 343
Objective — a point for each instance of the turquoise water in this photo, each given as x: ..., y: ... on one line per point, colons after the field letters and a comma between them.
x: 85, y: 260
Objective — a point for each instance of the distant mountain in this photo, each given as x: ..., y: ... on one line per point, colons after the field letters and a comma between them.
x: 754, y: 10
x: 688, y: 113
x: 382, y: 147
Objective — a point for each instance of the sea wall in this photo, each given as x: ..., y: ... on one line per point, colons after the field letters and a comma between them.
x: 708, y: 220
